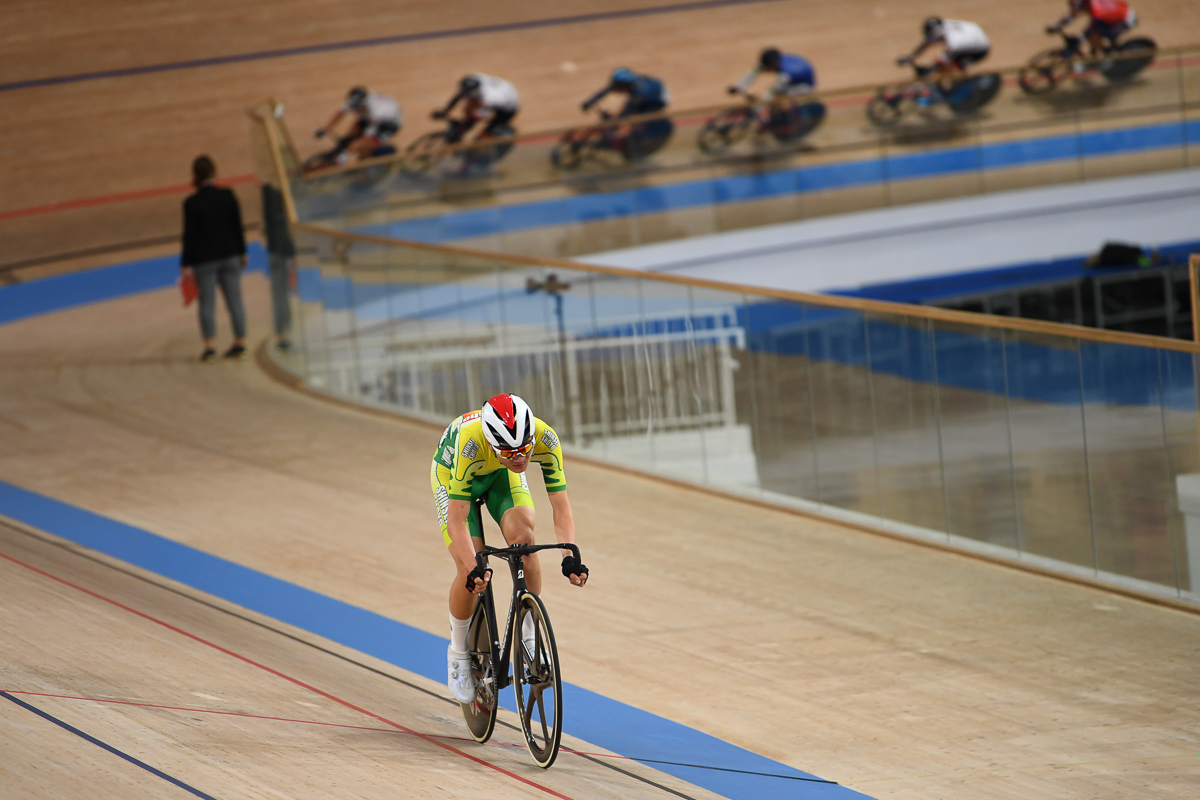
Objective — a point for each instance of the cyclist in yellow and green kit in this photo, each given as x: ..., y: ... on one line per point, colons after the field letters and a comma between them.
x: 482, y: 460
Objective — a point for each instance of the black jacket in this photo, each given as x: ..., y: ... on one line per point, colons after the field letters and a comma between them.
x: 212, y: 226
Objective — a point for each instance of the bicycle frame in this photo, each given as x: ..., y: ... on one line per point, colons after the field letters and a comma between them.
x: 513, y: 555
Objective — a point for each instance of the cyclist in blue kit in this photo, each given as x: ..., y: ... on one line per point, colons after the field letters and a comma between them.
x: 644, y: 95
x: 794, y: 75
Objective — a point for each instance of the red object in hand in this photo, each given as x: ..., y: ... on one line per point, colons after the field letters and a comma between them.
x: 188, y: 287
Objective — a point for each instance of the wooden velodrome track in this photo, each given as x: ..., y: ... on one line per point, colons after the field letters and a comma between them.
x: 899, y: 671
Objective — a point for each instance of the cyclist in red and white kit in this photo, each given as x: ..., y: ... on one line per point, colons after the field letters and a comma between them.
x: 378, y: 120
x: 1109, y: 19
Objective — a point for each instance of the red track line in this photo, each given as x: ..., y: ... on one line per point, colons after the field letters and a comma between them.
x: 192, y: 710
x: 296, y: 681
x: 143, y: 194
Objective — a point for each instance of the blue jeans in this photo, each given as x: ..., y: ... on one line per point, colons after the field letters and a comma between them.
x: 228, y: 273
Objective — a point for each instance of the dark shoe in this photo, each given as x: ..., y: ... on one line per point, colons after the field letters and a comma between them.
x: 208, y: 355
x: 237, y: 351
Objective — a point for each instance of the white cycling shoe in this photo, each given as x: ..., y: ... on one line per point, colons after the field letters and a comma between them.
x: 458, y: 676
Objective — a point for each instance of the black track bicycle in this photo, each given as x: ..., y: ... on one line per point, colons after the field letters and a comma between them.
x: 785, y: 124
x: 966, y: 96
x: 535, y: 676
x: 427, y: 151
x: 634, y: 141
x: 1120, y: 62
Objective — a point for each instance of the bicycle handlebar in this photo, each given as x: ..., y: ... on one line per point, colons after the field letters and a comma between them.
x: 520, y: 550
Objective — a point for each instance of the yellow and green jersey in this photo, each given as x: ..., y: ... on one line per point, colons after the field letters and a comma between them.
x: 463, y: 456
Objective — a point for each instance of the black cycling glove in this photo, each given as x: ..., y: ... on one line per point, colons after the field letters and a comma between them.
x: 571, y: 565
x: 480, y: 573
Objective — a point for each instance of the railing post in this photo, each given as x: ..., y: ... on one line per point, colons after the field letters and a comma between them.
x: 1193, y: 265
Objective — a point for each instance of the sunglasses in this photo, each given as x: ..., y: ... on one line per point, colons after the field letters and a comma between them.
x: 523, y: 450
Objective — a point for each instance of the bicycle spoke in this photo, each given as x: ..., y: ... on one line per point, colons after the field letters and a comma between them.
x: 542, y: 714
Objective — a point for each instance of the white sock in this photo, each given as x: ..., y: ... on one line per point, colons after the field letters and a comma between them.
x: 527, y: 628
x: 458, y: 635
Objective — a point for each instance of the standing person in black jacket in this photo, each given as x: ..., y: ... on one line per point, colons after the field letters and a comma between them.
x: 214, y: 250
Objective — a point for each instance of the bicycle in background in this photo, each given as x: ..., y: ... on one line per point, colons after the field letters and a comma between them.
x: 1120, y: 62
x: 338, y: 154
x: 965, y: 96
x: 632, y: 140
x: 535, y: 675
x: 429, y: 150
x: 785, y: 123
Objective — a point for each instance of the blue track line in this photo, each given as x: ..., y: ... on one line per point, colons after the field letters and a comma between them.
x: 108, y: 747
x: 355, y: 44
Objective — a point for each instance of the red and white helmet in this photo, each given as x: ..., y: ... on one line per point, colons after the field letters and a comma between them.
x: 508, y: 424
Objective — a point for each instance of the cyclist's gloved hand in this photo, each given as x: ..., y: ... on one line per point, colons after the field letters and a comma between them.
x: 439, y: 114
x: 903, y: 61
x: 319, y: 133
x: 585, y: 106
x: 479, y: 573
x: 734, y: 90
x: 1052, y: 29
x: 571, y: 565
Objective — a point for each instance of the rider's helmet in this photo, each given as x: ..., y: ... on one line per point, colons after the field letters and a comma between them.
x: 356, y: 98
x: 508, y: 425
x: 469, y: 85
x: 932, y: 28
x: 770, y: 59
x: 623, y: 77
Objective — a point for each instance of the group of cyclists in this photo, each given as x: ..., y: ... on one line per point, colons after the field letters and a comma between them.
x: 492, y: 103
x: 483, y: 456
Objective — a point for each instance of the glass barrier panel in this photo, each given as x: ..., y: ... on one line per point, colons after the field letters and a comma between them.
x: 1181, y: 432
x: 1134, y: 508
x: 778, y: 374
x: 907, y: 435
x: 974, y: 416
x: 1049, y: 447
x: 719, y: 391
x: 843, y: 400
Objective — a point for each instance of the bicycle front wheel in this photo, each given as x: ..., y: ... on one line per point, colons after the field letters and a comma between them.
x: 724, y: 130
x: 424, y: 152
x: 537, y: 682
x: 481, y: 714
x: 1044, y: 72
x: 889, y: 106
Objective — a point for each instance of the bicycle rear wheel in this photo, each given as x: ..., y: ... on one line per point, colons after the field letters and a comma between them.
x: 537, y: 683
x: 481, y: 714
x: 1128, y: 59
